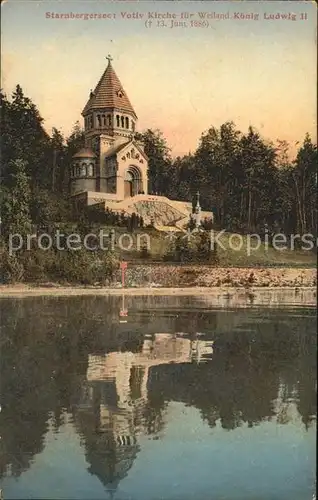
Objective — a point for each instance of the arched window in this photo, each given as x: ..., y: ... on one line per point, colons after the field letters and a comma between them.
x: 117, y: 120
x: 109, y: 120
x: 99, y: 121
x: 122, y: 122
x: 127, y: 122
x: 90, y: 170
x: 104, y: 120
x: 132, y: 125
x: 78, y: 170
x: 83, y: 170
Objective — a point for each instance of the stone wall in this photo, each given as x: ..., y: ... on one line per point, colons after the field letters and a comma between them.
x: 205, y: 276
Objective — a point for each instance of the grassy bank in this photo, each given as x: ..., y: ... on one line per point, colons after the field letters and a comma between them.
x: 227, y: 255
x: 149, y: 249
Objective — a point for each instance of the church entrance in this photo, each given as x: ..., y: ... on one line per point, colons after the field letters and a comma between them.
x: 128, y: 189
x: 132, y: 181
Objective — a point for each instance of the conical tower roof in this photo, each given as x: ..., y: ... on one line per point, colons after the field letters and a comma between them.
x: 109, y: 93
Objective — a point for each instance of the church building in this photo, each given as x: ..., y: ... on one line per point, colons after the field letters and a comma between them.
x: 112, y: 162
x: 111, y: 171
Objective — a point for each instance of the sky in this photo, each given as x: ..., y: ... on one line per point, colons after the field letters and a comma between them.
x: 183, y: 79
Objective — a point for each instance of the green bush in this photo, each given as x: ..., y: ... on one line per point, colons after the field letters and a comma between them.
x: 11, y: 268
x: 66, y: 266
x: 144, y: 252
x: 37, y: 264
x: 204, y: 252
x: 195, y: 248
x: 84, y: 267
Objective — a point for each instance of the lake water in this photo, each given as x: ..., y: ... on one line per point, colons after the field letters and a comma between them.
x: 172, y: 400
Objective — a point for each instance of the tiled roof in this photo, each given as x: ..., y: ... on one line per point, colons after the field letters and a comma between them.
x: 84, y: 153
x: 109, y: 93
x: 116, y: 149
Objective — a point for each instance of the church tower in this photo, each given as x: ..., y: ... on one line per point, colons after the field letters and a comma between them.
x: 109, y: 125
x: 108, y: 111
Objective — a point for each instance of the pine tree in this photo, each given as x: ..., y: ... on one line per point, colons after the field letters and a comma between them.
x: 257, y: 161
x: 60, y: 166
x: 305, y: 184
x: 15, y: 209
x: 159, y: 166
x: 31, y: 141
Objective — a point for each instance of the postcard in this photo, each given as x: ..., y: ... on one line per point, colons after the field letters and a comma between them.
x: 158, y: 249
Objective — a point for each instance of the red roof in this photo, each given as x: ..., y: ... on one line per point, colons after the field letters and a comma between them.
x: 109, y: 93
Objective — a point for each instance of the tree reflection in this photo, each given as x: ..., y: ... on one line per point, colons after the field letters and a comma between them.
x: 259, y: 369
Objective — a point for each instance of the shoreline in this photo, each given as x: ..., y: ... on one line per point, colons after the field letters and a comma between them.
x: 237, y: 295
x: 223, y: 286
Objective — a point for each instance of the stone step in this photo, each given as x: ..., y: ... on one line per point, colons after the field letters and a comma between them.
x: 159, y: 209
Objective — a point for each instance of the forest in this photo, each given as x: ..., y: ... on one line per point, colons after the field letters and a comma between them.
x: 247, y: 181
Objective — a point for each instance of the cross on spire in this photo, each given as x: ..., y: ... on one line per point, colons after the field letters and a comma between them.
x: 109, y: 58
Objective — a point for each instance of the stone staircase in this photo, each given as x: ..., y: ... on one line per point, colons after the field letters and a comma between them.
x: 164, y: 213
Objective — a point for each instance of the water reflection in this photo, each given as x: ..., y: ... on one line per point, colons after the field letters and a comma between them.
x: 74, y: 360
